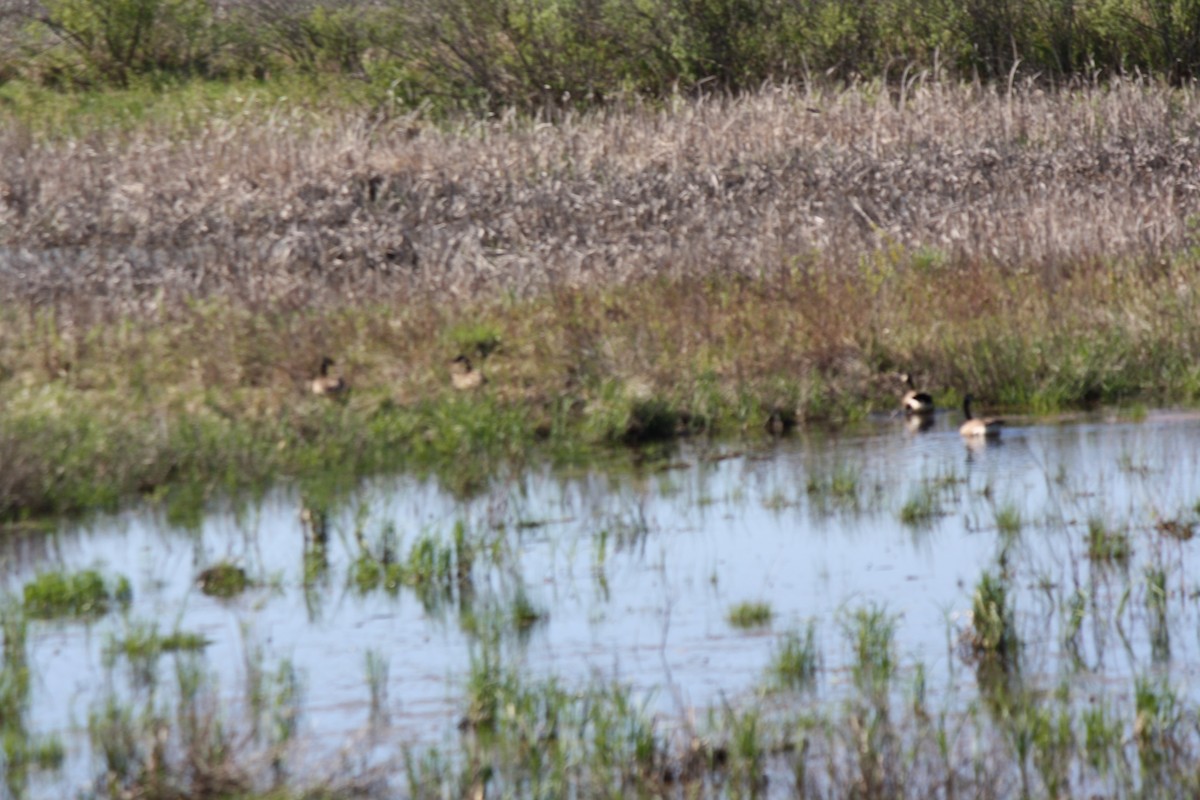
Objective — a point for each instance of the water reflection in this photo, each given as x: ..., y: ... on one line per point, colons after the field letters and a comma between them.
x: 630, y: 574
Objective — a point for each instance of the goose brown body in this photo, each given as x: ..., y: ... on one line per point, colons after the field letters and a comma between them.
x: 325, y: 384
x: 463, y: 375
x: 973, y: 427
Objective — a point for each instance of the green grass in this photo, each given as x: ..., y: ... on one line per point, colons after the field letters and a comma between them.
x: 1106, y: 544
x: 249, y: 424
x: 993, y: 636
x: 750, y: 615
x: 871, y: 632
x: 796, y: 659
x: 142, y: 642
x: 223, y: 580
x: 1008, y: 520
x: 839, y: 486
x: 80, y: 594
x: 921, y: 508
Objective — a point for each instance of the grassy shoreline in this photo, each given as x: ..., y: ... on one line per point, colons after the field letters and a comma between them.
x: 696, y: 266
x: 217, y: 398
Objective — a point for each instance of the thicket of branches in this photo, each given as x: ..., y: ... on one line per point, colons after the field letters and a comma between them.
x: 533, y: 53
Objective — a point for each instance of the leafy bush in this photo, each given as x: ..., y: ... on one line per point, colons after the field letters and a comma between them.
x: 112, y: 40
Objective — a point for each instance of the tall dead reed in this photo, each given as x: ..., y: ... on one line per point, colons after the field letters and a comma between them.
x: 282, y: 206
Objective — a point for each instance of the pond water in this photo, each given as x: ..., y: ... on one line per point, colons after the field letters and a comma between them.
x: 634, y: 573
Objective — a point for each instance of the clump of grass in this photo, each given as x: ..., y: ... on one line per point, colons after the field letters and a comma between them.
x: 1107, y: 544
x: 1046, y: 733
x: 22, y: 752
x: 377, y: 563
x: 377, y: 681
x: 921, y: 508
x: 143, y: 642
x: 85, y: 593
x: 841, y: 485
x: 750, y: 614
x: 523, y: 612
x: 14, y: 677
x: 20, y: 748
x: 1076, y: 612
x: 435, y: 567
x: 476, y: 338
x: 796, y: 660
x: 1008, y: 520
x: 188, y: 741
x: 544, y: 738
x: 872, y: 634
x: 992, y: 637
x: 1156, y: 606
x: 1102, y: 738
x: 223, y: 580
x: 142, y: 646
x: 368, y: 572
x: 1156, y: 722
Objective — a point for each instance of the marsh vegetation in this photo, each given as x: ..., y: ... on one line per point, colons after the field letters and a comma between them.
x: 353, y: 445
x: 633, y: 274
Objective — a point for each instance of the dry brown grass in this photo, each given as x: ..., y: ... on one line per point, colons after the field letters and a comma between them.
x: 283, y: 207
x: 710, y: 263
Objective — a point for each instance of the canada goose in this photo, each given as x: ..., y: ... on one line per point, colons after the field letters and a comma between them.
x: 326, y: 384
x: 974, y: 428
x: 464, y: 376
x: 915, y: 402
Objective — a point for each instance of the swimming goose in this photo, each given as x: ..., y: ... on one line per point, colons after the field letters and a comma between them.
x: 973, y: 428
x: 326, y: 384
x: 464, y: 376
x: 915, y: 402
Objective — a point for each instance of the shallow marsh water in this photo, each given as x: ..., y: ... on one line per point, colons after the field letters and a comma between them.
x: 636, y: 572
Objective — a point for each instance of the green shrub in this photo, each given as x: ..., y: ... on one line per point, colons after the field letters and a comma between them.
x: 112, y: 40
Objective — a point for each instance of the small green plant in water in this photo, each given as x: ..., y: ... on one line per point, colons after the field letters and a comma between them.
x: 1157, y: 721
x: 993, y: 634
x: 56, y: 594
x: 377, y: 679
x: 1156, y: 606
x: 368, y: 573
x: 144, y: 642
x: 794, y: 665
x: 872, y: 634
x: 523, y: 613
x: 921, y: 508
x: 1102, y: 735
x: 1107, y: 544
x: 431, y: 562
x: 750, y: 615
x: 1008, y: 520
x: 841, y: 485
x: 223, y: 580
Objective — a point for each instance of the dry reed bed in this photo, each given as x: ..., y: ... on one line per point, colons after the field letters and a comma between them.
x: 284, y: 206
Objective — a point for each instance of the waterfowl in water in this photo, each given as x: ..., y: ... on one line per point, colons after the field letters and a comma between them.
x: 974, y: 428
x: 326, y: 384
x: 914, y: 402
x: 464, y: 376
